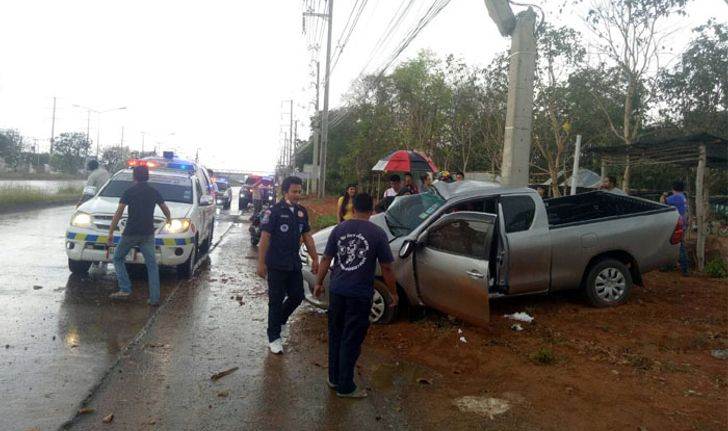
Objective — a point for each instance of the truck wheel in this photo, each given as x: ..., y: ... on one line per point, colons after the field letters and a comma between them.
x: 608, y: 283
x: 79, y: 266
x: 381, y: 312
x: 186, y: 270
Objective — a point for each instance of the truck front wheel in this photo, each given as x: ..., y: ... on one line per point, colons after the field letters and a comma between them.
x: 79, y: 266
x: 382, y: 312
x: 608, y: 283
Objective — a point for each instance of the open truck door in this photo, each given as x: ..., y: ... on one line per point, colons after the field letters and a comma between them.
x: 451, y: 265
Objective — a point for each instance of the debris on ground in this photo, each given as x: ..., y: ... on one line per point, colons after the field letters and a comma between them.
x: 36, y: 287
x: 517, y: 327
x: 424, y: 381
x: 223, y: 394
x: 520, y: 316
x: 484, y: 406
x: 86, y: 410
x: 222, y: 374
x: 463, y: 340
x: 719, y: 354
x: 108, y: 418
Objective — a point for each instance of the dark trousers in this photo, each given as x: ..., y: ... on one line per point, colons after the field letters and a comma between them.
x: 285, y: 293
x: 348, y: 324
x: 683, y: 258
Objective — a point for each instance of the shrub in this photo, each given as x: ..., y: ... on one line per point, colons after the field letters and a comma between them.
x: 716, y: 268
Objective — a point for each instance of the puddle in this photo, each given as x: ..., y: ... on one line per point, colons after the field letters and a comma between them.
x: 484, y: 406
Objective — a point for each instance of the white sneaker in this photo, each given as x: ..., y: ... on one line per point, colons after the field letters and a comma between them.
x: 284, y: 332
x: 276, y: 346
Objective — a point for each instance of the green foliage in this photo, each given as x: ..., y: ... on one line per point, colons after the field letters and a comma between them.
x: 11, y: 147
x: 115, y: 158
x: 323, y: 221
x: 716, y: 268
x: 69, y: 152
x: 543, y: 357
x: 26, y: 194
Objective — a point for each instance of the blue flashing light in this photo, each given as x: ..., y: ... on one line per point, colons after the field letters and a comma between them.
x: 181, y: 166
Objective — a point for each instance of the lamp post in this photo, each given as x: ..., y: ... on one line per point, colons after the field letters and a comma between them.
x: 98, y: 122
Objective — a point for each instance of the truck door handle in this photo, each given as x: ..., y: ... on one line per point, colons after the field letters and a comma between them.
x: 475, y: 274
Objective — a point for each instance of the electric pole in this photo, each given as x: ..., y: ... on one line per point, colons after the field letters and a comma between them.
x: 519, y: 113
x: 314, y: 181
x: 325, y: 117
x: 290, y: 136
x: 53, y: 127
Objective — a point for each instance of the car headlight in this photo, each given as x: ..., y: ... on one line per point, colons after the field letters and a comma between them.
x: 81, y: 219
x: 177, y: 225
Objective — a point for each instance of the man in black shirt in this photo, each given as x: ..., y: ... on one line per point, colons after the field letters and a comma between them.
x: 139, y: 232
x: 283, y: 226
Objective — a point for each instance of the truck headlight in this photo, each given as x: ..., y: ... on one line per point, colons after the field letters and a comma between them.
x: 177, y: 225
x: 81, y: 219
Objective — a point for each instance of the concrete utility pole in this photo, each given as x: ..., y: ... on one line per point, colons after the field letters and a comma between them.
x: 314, y: 180
x: 575, y: 173
x: 325, y: 115
x: 519, y: 114
x: 53, y: 127
x: 290, y: 136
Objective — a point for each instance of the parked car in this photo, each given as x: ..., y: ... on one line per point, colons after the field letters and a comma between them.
x: 224, y: 193
x: 466, y: 242
x: 184, y: 186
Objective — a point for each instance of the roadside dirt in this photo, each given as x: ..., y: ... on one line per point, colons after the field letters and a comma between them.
x: 646, y: 365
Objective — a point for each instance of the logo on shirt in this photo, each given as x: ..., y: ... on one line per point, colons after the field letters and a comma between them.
x: 284, y: 228
x: 300, y: 213
x: 353, y: 249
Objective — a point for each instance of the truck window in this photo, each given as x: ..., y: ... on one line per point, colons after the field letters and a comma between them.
x: 199, y: 189
x: 463, y: 237
x: 518, y: 213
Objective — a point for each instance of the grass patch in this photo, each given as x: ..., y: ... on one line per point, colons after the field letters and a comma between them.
x: 716, y: 269
x: 543, y: 357
x: 26, y: 194
x: 323, y: 221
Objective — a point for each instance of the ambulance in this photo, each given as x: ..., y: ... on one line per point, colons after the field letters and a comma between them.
x: 187, y: 190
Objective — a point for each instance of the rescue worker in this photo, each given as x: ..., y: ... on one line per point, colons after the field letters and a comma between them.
x: 97, y: 178
x: 283, y: 226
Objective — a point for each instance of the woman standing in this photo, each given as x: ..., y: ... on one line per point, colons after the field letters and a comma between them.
x: 346, y: 204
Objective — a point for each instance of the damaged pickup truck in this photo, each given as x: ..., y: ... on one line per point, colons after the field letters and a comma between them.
x: 467, y: 242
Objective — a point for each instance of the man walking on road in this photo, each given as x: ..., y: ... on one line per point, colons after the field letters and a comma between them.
x: 97, y: 178
x: 357, y: 244
x: 139, y: 232
x: 282, y: 228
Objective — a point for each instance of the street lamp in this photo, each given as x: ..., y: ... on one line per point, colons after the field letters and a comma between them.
x: 98, y: 122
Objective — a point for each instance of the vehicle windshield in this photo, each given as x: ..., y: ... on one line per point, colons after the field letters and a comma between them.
x: 172, y: 189
x: 408, y: 212
x: 221, y: 186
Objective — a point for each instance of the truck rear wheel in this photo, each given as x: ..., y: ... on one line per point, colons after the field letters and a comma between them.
x: 79, y: 266
x: 608, y: 283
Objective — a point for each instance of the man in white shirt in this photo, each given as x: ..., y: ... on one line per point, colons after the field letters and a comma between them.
x: 609, y: 184
x: 97, y: 178
x: 395, y: 183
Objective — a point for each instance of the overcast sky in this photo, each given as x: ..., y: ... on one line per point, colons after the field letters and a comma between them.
x: 215, y: 75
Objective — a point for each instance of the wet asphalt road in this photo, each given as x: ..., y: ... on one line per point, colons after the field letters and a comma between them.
x: 60, y: 332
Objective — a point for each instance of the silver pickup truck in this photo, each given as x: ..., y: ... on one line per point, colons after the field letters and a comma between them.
x: 465, y: 242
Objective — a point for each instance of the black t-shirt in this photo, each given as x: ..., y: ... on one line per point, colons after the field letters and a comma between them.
x: 141, y: 199
x: 356, y: 245
x: 285, y: 224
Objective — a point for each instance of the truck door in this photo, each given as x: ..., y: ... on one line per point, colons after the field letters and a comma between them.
x: 451, y: 265
x: 527, y: 256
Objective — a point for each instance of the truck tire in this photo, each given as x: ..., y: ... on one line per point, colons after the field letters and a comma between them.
x: 608, y: 283
x: 187, y: 269
x: 381, y: 312
x: 79, y: 266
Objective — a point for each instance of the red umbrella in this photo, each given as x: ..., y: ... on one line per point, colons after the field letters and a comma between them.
x: 406, y: 161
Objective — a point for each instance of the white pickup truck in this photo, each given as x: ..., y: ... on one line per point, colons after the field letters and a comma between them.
x: 465, y: 242
x: 188, y: 192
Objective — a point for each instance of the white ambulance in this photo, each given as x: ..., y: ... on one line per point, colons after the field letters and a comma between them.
x: 188, y: 192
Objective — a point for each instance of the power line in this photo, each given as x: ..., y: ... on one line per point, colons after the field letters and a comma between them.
x: 341, y: 44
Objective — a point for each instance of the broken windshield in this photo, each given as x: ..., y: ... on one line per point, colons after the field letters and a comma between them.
x: 408, y: 212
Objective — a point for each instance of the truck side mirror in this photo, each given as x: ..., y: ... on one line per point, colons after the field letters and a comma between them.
x: 206, y: 200
x: 406, y: 249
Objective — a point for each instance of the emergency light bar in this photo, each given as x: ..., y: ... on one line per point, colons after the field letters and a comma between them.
x: 182, y: 166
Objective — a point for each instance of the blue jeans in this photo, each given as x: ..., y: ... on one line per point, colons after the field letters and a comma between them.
x: 683, y: 258
x: 146, y: 246
x: 285, y: 294
x: 348, y: 325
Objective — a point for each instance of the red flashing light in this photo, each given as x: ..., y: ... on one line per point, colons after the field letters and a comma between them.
x: 152, y: 164
x: 134, y: 162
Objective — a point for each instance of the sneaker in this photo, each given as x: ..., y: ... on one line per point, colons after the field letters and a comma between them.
x: 276, y: 346
x: 357, y: 393
x: 331, y: 385
x: 285, y: 332
x: 120, y: 295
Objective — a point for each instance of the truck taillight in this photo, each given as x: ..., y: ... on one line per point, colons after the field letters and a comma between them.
x: 677, y: 234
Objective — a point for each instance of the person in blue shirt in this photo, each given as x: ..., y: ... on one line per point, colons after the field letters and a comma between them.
x: 678, y: 200
x: 355, y: 246
x: 283, y: 227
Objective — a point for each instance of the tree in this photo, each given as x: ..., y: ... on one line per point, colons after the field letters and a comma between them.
x: 115, y: 158
x: 559, y: 53
x: 11, y: 147
x: 69, y: 152
x: 629, y: 37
